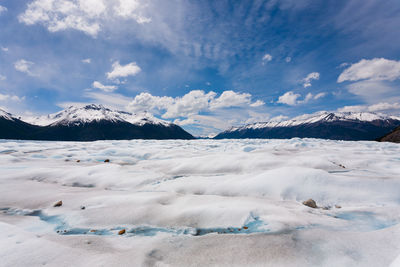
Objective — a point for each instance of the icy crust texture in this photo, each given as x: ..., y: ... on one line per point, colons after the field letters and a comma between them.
x: 200, y: 202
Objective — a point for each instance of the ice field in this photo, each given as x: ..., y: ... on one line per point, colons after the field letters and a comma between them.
x: 199, y: 203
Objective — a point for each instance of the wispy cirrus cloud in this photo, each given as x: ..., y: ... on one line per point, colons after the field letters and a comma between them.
x: 105, y: 88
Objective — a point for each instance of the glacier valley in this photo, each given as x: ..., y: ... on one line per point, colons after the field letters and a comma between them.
x: 199, y: 203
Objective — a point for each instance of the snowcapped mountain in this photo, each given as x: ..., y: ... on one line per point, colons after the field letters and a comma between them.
x: 94, y: 113
x: 90, y: 123
x: 13, y: 128
x: 5, y: 115
x: 319, y: 117
x: 327, y: 125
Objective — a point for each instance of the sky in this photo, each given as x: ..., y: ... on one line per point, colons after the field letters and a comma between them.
x: 205, y: 65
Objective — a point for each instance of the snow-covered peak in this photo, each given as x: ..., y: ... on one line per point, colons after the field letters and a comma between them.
x: 85, y: 114
x: 6, y: 115
x: 322, y: 116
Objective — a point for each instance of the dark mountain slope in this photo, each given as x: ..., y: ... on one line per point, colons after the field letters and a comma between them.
x: 393, y: 136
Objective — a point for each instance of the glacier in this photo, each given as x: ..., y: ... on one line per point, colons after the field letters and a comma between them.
x: 199, y: 202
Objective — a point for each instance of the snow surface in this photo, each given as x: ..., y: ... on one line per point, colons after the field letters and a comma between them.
x: 200, y: 202
x: 318, y: 117
x: 76, y: 115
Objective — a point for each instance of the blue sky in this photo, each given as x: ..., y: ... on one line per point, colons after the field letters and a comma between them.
x: 206, y: 65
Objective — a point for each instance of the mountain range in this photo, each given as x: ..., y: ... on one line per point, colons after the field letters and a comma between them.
x: 89, y: 123
x: 326, y: 125
x: 96, y: 122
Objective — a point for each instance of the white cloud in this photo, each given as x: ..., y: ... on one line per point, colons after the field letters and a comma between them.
x: 233, y: 99
x: 307, y: 80
x: 344, y: 64
x: 11, y: 97
x: 128, y: 8
x: 379, y: 107
x: 289, y: 98
x: 371, y: 91
x: 148, y: 102
x: 61, y: 15
x: 92, y: 8
x: 4, y: 49
x: 192, y: 103
x: 279, y: 118
x: 2, y: 77
x: 186, y: 110
x: 23, y: 65
x: 2, y: 9
x: 118, y: 70
x: 319, y: 95
x: 377, y: 69
x: 308, y: 97
x: 86, y: 60
x: 87, y: 16
x: 105, y: 88
x: 288, y: 59
x: 258, y: 103
x: 267, y: 57
x: 371, y: 79
x: 292, y: 99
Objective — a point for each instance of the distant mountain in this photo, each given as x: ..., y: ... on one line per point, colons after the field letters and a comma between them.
x: 74, y: 116
x: 90, y: 123
x: 326, y: 125
x: 393, y: 136
x: 13, y: 128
